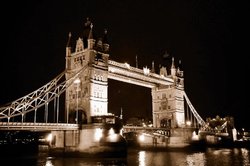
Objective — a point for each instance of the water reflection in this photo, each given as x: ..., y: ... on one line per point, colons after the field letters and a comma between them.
x: 209, y: 157
x: 136, y: 157
x: 141, y: 158
x: 245, y: 156
x: 49, y: 163
x: 84, y: 162
x: 196, y: 159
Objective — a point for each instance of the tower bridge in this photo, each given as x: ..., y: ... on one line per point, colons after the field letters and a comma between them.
x: 84, y: 83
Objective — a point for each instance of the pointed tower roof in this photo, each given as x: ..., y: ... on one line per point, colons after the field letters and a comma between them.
x: 91, y: 32
x: 69, y: 40
x: 173, y: 66
x: 153, y: 67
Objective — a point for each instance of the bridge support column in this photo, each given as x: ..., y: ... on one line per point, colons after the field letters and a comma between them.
x: 91, y: 139
x: 63, y: 140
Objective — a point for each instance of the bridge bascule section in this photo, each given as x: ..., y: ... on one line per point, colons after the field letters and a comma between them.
x: 84, y: 84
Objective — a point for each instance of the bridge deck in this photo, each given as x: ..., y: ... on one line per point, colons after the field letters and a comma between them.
x: 37, y: 126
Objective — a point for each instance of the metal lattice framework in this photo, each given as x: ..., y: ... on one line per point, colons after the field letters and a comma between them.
x: 38, y: 98
x: 53, y: 89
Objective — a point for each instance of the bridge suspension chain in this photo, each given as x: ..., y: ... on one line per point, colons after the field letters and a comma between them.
x: 39, y: 97
x: 197, y: 116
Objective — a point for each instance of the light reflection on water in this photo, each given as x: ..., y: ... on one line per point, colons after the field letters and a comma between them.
x: 141, y: 158
x: 196, y: 159
x: 208, y: 157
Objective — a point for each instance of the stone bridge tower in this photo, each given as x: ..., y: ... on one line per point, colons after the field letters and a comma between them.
x: 168, y: 100
x: 87, y: 96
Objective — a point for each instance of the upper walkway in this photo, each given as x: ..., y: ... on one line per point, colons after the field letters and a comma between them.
x: 142, y: 77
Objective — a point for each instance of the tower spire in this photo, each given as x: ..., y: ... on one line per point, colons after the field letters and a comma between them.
x: 121, y: 115
x: 69, y: 40
x: 153, y: 67
x: 68, y: 47
x: 91, y: 40
x: 173, y: 69
x: 136, y: 61
x: 105, y: 41
x: 91, y: 32
x: 173, y: 66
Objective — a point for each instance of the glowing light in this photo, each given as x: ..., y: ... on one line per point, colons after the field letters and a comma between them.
x: 127, y: 65
x: 141, y: 138
x: 121, y: 131
x: 113, y: 137
x: 188, y: 123
x: 98, y: 134
x: 150, y: 125
x: 146, y: 70
x: 195, y: 136
x: 111, y: 131
x: 77, y: 81
x: 48, y: 163
x: 112, y: 70
x: 49, y: 137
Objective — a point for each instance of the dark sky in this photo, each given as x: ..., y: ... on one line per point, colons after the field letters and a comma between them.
x: 210, y: 37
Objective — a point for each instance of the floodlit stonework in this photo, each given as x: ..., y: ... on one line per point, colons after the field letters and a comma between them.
x: 89, y: 97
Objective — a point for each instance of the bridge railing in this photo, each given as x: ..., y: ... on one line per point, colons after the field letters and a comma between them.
x: 37, y: 126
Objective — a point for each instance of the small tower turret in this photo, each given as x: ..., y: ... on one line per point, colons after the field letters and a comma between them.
x: 79, y: 45
x: 105, y: 42
x: 173, y: 69
x: 91, y: 40
x: 153, y: 67
x: 68, y: 46
x: 68, y: 53
x: 136, y: 61
x: 180, y: 76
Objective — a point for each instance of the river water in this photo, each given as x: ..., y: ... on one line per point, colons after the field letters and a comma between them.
x: 137, y: 157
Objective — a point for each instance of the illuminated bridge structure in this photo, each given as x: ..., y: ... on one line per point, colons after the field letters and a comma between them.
x: 14, y: 114
x: 83, y: 89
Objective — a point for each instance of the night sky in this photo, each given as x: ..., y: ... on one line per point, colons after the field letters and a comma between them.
x: 210, y: 37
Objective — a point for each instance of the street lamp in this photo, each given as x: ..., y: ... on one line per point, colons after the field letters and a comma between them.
x: 188, y: 123
x: 77, y: 82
